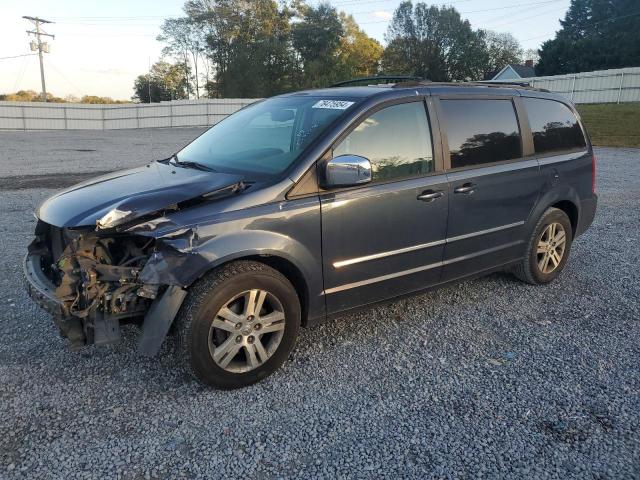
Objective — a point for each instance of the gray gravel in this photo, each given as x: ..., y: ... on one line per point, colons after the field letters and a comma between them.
x: 51, y: 152
x: 489, y: 378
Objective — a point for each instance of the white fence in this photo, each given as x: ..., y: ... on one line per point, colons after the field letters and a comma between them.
x: 603, y: 86
x: 74, y: 116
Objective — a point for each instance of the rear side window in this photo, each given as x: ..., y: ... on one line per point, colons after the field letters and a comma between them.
x: 481, y: 131
x: 554, y: 126
x: 397, y: 141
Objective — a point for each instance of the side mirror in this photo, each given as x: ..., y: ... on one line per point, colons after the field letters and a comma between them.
x: 347, y: 171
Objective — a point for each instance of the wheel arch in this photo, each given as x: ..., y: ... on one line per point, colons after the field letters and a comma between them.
x: 565, y: 199
x: 571, y: 209
x: 287, y: 268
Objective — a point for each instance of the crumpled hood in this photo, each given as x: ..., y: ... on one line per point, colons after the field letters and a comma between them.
x: 140, y: 190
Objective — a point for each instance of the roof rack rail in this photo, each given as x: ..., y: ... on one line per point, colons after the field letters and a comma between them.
x: 480, y: 83
x: 382, y: 79
x: 522, y: 85
x: 508, y: 83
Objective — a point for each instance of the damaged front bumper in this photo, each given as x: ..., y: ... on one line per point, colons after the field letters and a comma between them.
x: 39, y: 287
x: 89, y: 298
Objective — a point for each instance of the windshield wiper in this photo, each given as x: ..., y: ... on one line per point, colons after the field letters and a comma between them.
x: 173, y: 160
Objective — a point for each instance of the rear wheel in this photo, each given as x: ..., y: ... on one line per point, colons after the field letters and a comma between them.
x: 238, y: 325
x: 548, y: 249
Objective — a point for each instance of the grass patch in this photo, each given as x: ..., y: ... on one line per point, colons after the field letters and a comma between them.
x: 612, y: 125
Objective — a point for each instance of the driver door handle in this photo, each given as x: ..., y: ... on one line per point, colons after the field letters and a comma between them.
x: 430, y: 195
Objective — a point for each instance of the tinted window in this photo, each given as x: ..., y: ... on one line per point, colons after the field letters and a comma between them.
x: 554, y: 126
x: 396, y: 139
x: 481, y: 131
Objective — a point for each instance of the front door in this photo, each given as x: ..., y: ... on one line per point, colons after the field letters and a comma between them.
x: 386, y: 238
x: 492, y: 187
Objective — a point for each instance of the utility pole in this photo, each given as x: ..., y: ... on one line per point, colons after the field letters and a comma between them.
x: 41, y: 47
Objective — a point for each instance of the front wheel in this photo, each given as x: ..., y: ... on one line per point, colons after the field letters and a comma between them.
x: 238, y: 325
x: 548, y: 249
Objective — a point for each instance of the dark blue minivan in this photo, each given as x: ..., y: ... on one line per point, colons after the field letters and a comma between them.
x: 308, y: 205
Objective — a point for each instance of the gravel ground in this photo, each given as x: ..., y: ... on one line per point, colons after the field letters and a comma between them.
x: 57, y: 152
x: 488, y: 378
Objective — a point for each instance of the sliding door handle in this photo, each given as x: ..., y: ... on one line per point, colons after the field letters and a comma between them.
x: 467, y: 189
x: 430, y: 195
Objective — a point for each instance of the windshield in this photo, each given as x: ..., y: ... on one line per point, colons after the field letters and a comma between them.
x: 264, y: 138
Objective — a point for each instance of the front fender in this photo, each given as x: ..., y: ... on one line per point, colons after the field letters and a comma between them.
x: 287, y: 230
x: 175, y: 264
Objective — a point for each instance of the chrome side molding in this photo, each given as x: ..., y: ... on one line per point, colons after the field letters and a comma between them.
x: 375, y: 256
x: 402, y: 273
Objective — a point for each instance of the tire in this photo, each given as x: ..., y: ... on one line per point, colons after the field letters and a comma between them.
x: 532, y: 268
x: 204, y: 328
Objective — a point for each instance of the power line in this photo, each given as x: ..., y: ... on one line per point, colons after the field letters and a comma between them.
x: 589, y: 24
x: 516, y: 5
x: 18, y: 56
x: 532, y: 6
x: 59, y: 72
x: 527, y: 18
x: 20, y: 76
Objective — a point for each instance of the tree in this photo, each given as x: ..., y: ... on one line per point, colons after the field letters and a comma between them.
x: 316, y: 39
x: 248, y: 44
x: 99, y: 100
x: 29, y: 96
x: 595, y: 35
x: 186, y: 44
x: 532, y: 54
x: 165, y: 82
x: 358, y: 54
x: 434, y: 43
x: 502, y: 49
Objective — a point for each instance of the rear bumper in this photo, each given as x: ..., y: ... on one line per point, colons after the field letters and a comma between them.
x: 588, y: 209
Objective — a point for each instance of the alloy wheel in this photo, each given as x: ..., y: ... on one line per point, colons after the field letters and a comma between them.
x: 246, y: 331
x: 551, y: 247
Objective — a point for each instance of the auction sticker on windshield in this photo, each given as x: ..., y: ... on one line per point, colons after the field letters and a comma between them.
x: 333, y: 104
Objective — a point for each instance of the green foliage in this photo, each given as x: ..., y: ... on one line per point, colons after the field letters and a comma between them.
x: 186, y: 43
x: 436, y: 43
x: 168, y: 82
x: 248, y: 44
x: 595, y: 35
x: 31, y: 96
x: 99, y: 100
x: 316, y: 39
x: 502, y: 49
x: 263, y: 47
x: 358, y: 55
x: 260, y: 48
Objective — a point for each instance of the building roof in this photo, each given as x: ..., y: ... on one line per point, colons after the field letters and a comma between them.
x: 522, y: 71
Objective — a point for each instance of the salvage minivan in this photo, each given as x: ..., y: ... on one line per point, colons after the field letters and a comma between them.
x: 308, y: 205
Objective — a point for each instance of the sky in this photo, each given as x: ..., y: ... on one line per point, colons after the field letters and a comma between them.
x: 100, y: 47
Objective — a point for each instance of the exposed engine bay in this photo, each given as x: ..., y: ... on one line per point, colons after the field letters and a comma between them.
x: 97, y: 265
x: 95, y: 278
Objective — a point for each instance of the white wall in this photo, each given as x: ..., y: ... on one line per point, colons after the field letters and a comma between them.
x: 74, y: 116
x: 603, y: 86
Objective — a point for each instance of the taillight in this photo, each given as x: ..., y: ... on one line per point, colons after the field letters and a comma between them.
x: 593, y: 173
